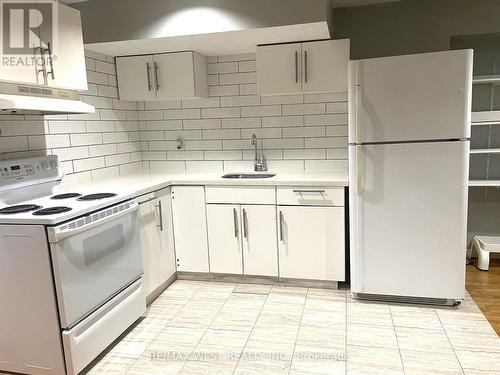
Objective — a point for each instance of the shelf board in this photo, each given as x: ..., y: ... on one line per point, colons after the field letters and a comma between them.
x: 483, y: 117
x: 483, y: 79
x: 485, y: 151
x: 484, y: 183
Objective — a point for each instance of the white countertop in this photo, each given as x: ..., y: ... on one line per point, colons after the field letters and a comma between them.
x: 136, y: 184
x: 141, y: 183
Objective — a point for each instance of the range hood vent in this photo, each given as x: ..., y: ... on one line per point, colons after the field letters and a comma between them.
x: 36, y: 100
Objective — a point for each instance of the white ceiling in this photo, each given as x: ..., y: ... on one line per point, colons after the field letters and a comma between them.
x: 216, y: 44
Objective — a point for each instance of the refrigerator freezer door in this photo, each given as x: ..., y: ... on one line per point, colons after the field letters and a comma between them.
x: 410, y: 98
x: 408, y: 207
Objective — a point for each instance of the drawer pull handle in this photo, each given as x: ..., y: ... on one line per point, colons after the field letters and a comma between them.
x: 309, y: 191
x: 281, y: 226
x: 245, y: 224
x: 235, y: 217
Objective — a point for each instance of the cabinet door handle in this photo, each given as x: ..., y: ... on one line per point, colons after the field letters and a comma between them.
x: 51, y: 62
x: 157, y: 72
x: 305, y: 66
x: 160, y: 215
x: 281, y: 226
x: 245, y: 224
x: 309, y: 191
x: 235, y: 218
x: 148, y: 71
x: 296, y: 66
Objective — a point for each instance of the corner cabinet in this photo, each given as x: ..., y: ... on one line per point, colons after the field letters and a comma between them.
x: 155, y: 223
x: 162, y: 76
x: 309, y: 67
x: 190, y: 228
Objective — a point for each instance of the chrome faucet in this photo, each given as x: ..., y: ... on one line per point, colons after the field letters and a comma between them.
x: 260, y: 163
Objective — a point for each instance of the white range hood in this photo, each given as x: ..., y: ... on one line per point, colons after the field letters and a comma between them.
x: 36, y: 100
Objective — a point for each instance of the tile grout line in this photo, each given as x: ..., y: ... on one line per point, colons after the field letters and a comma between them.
x: 397, y: 340
x: 150, y: 343
x: 253, y: 327
x: 298, y: 331
x: 208, y: 327
x: 449, y: 341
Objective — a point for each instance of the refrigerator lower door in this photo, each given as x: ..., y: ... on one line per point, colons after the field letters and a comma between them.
x: 408, y: 205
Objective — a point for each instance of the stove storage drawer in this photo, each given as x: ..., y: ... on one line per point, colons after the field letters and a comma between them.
x: 87, y: 339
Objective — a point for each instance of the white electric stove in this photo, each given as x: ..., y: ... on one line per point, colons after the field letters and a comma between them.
x: 70, y: 269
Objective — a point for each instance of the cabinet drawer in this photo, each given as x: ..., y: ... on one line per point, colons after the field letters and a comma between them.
x: 311, y: 196
x: 243, y: 194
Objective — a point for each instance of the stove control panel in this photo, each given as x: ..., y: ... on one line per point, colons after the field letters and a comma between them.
x: 31, y: 171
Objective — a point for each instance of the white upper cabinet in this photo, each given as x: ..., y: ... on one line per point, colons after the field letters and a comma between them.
x: 279, y: 69
x: 162, y: 76
x: 135, y: 77
x: 325, y: 65
x: 309, y: 67
x: 62, y: 51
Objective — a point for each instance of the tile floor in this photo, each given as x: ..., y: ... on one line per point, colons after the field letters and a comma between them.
x: 224, y: 328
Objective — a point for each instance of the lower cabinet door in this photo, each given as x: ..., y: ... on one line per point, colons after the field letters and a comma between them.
x: 260, y: 250
x: 311, y: 243
x: 224, y: 233
x: 150, y: 242
x: 166, y: 261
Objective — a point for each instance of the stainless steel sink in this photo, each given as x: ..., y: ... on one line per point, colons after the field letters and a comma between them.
x: 249, y: 175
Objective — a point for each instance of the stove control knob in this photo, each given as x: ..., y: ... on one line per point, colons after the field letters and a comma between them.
x: 46, y: 165
x: 53, y: 164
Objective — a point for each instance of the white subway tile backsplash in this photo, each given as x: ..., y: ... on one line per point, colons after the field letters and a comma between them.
x: 203, y: 166
x: 325, y: 97
x: 203, y: 145
x: 82, y: 165
x: 283, y: 99
x: 283, y: 143
x: 171, y: 166
x: 223, y: 155
x: 184, y: 155
x: 184, y: 134
x: 240, y: 101
x: 152, y: 135
x: 325, y: 142
x: 105, y: 67
x: 261, y: 133
x: 336, y: 131
x: 85, y: 139
x: 265, y: 110
x: 154, y: 155
x: 202, y: 124
x: 237, y: 57
x: 222, y: 134
x: 220, y: 112
x: 201, y: 103
x: 108, y: 91
x: 237, y: 144
x: 304, y: 154
x: 226, y: 90
x: 223, y: 67
x: 37, y: 142
x: 249, y: 122
x: 164, y: 125
x: 334, y: 119
x: 237, y: 78
x: 163, y: 104
x: 115, y: 137
x: 247, y: 66
x: 101, y: 150
x: 338, y: 107
x: 12, y: 128
x: 117, y: 159
x: 99, y: 126
x: 248, y: 89
x: 304, y: 109
x: 71, y: 153
x: 282, y: 121
x: 311, y: 131
x: 180, y: 114
x: 151, y: 115
x: 128, y: 147
x: 162, y: 145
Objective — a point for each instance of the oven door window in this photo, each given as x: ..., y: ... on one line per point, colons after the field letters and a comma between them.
x: 92, y: 266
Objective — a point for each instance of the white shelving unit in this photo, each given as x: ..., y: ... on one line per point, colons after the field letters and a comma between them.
x: 488, y: 118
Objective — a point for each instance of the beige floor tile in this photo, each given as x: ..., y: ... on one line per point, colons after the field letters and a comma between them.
x: 482, y: 361
x: 129, y: 349
x: 111, y: 365
x: 371, y: 336
x: 373, y: 361
x: 253, y: 289
x: 208, y: 368
x: 423, y: 340
x: 252, y: 367
x: 362, y: 312
x: 223, y: 341
x: 409, y: 316
x: 323, y: 318
x: 318, y: 359
x: 420, y: 363
x: 473, y: 341
x: 329, y: 336
x: 156, y: 365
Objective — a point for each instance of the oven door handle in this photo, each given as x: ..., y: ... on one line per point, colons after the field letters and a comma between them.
x: 60, y: 233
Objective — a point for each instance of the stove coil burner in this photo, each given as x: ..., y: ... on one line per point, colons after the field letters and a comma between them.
x: 66, y: 196
x: 19, y: 209
x: 52, y: 211
x: 93, y: 197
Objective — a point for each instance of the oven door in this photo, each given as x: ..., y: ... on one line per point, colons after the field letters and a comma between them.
x: 94, y: 258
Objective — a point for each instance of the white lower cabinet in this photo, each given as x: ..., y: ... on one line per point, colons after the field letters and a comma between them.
x: 155, y: 223
x: 311, y: 242
x: 260, y: 255
x: 242, y: 239
x: 224, y: 240
x: 190, y: 228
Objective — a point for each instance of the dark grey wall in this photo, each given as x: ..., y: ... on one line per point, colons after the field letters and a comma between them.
x: 413, y: 26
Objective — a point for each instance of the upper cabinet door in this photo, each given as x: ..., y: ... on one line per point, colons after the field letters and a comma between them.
x: 136, y: 79
x: 260, y: 251
x: 177, y: 75
x: 64, y: 50
x: 324, y: 65
x: 279, y: 69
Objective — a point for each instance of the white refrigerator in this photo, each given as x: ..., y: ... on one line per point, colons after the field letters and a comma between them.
x: 409, y: 130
